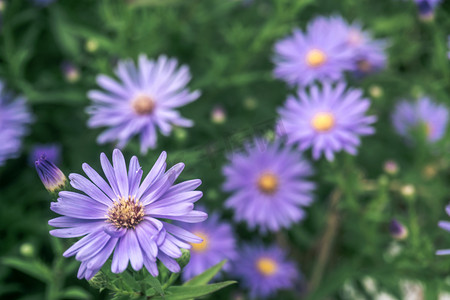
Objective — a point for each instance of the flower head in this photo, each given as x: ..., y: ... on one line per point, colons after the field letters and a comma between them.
x: 426, y: 8
x: 328, y: 120
x: 218, y: 244
x: 446, y: 226
x: 123, y: 215
x: 398, y: 230
x: 425, y: 114
x: 320, y: 53
x: 52, y: 152
x: 269, y: 185
x: 51, y: 176
x: 265, y: 270
x: 14, y: 118
x: 143, y: 101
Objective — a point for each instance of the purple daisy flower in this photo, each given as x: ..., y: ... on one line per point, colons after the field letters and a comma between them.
x: 218, y: 244
x: 368, y: 54
x: 408, y: 117
x: 52, y: 152
x: 329, y: 120
x: 268, y: 185
x: 14, y: 118
x: 426, y: 8
x: 265, y: 270
x: 446, y: 226
x: 145, y: 100
x: 318, y: 54
x: 122, y: 215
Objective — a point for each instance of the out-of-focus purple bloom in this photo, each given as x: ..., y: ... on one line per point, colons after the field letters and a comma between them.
x: 52, y: 152
x: 143, y: 101
x: 368, y: 54
x: 426, y: 8
x: 398, y: 230
x: 446, y: 226
x: 320, y: 53
x: 269, y: 185
x: 265, y: 270
x: 14, y: 118
x: 218, y: 244
x: 70, y: 71
x: 124, y: 215
x: 408, y: 117
x: 328, y: 120
x: 51, y: 176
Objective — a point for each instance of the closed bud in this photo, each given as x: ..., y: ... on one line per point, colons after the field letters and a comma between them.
x: 391, y: 167
x: 408, y: 191
x: 184, y: 259
x: 218, y: 115
x: 398, y: 230
x: 99, y: 281
x: 27, y: 250
x: 91, y: 45
x: 51, y: 176
x: 71, y: 72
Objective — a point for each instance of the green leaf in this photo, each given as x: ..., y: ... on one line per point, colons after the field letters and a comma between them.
x: 206, y: 276
x: 75, y: 292
x: 154, y: 283
x: 189, y: 292
x: 34, y: 268
x: 129, y: 281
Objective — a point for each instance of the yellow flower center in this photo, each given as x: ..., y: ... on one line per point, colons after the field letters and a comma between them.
x: 268, y: 183
x: 143, y: 105
x: 315, y: 58
x: 200, y: 247
x: 126, y: 213
x: 266, y: 266
x: 364, y: 66
x: 323, y: 121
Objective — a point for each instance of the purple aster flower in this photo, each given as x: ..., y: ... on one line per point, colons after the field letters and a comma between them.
x: 426, y: 8
x: 123, y: 215
x: 143, y: 101
x: 408, y: 117
x: 318, y: 54
x: 52, y: 152
x: 368, y: 54
x: 268, y: 185
x: 446, y: 226
x: 265, y: 270
x: 14, y: 118
x: 218, y: 244
x: 51, y: 176
x: 328, y: 120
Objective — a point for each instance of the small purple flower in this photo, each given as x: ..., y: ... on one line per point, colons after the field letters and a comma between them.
x: 51, y: 176
x: 368, y: 54
x: 218, y: 244
x: 265, y: 270
x: 143, y: 101
x: 426, y: 8
x: 123, y: 215
x: 398, y: 230
x: 318, y: 54
x: 269, y: 185
x: 446, y: 226
x: 14, y: 118
x: 408, y: 117
x: 52, y: 152
x: 328, y: 120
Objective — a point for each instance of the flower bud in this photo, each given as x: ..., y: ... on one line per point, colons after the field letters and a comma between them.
x: 51, y: 176
x: 184, y: 259
x: 398, y: 230
x: 26, y: 249
x: 408, y: 191
x: 91, y: 45
x: 218, y: 115
x: 391, y: 167
x: 71, y: 72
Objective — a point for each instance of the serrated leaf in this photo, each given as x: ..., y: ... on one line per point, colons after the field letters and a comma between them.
x: 206, y: 276
x: 34, y: 268
x: 75, y: 292
x: 154, y: 283
x: 190, y: 292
